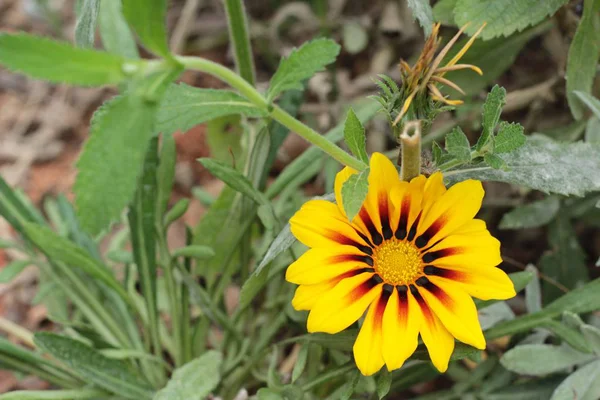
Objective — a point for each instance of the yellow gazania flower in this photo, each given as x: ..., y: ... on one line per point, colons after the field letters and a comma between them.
x: 414, y: 255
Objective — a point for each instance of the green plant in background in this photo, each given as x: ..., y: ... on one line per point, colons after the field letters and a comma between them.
x: 138, y: 325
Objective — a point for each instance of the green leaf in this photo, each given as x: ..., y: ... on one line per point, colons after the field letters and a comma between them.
x: 165, y: 176
x: 509, y: 138
x: 112, y: 375
x: 592, y: 131
x: 60, y: 249
x: 443, y: 12
x: 148, y: 20
x: 234, y: 179
x: 532, y: 215
x: 176, y: 212
x: 72, y: 394
x: 542, y: 359
x: 495, y: 162
x: 350, y: 386
x: 195, y: 380
x: 112, y: 158
x: 300, y: 362
x: 355, y: 37
x: 539, y: 389
x: 422, y: 12
x: 503, y: 17
x: 592, y: 336
x: 545, y: 165
x: 566, y: 262
x: 184, y: 107
x: 492, y: 108
x: 571, y: 336
x: 301, y: 64
x: 114, y: 31
x: 590, y: 101
x: 578, y: 383
x: 194, y: 251
x: 85, y: 29
x: 384, y: 383
x: 354, y: 193
x: 494, y: 57
x: 354, y: 136
x: 457, y: 145
x: 60, y: 62
x: 10, y: 271
x: 584, y: 53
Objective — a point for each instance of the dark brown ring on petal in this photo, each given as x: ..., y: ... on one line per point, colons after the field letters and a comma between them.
x: 425, y: 237
x: 341, y: 239
x: 443, y: 273
x: 413, y: 229
x: 366, y: 220
x: 422, y: 281
x: 403, y: 222
x: 414, y: 290
x: 439, y: 293
x: 375, y: 280
x: 434, y: 255
x: 365, y: 238
x: 387, y: 288
x: 384, y: 216
x: 402, y: 288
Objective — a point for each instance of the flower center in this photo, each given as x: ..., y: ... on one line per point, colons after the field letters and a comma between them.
x: 397, y: 262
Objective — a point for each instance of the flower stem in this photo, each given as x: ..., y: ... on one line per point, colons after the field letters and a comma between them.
x: 410, y: 161
x: 238, y: 34
x: 281, y: 116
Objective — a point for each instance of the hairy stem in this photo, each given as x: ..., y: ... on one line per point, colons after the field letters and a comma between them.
x: 410, y: 161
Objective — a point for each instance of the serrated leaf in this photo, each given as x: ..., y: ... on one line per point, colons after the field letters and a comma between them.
x: 584, y: 53
x: 184, y: 107
x: 112, y: 158
x: 354, y: 136
x: 301, y: 64
x: 112, y: 375
x: 495, y: 162
x: 354, y: 193
x: 503, y: 17
x: 148, y: 20
x: 545, y: 165
x: 443, y: 11
x: 9, y: 271
x: 492, y: 108
x: 577, y: 384
x: 509, y: 138
x: 542, y: 359
x: 532, y: 215
x: 457, y: 145
x: 85, y: 29
x: 114, y: 31
x: 423, y: 13
x: 195, y: 380
x: 60, y: 62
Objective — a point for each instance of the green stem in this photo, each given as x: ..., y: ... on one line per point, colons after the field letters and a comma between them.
x: 342, y: 370
x: 411, y: 151
x: 54, y: 394
x: 18, y: 331
x: 238, y: 34
x: 281, y: 116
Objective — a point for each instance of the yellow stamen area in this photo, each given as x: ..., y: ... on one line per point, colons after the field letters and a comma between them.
x: 397, y: 262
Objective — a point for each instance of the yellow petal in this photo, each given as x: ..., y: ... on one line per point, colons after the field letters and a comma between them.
x: 401, y: 323
x: 437, y: 339
x: 344, y: 304
x: 482, y: 283
x: 307, y: 295
x: 368, y: 346
x: 455, y: 309
x: 474, y: 250
x: 433, y: 190
x: 451, y: 211
x: 324, y: 263
x: 320, y: 223
x: 340, y: 178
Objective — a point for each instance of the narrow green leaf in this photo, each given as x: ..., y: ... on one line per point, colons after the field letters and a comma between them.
x: 584, y: 53
x: 509, y: 138
x: 148, y: 20
x: 85, y: 29
x: 532, y: 215
x: 72, y: 394
x: 577, y: 384
x: 457, y: 145
x: 234, y: 179
x: 592, y: 336
x: 495, y: 162
x: 539, y: 389
x: 354, y: 136
x: 112, y: 375
x: 300, y: 362
x: 533, y: 291
x: 590, y: 101
x: 301, y: 64
x: 571, y: 336
x: 195, y: 380
x: 60, y: 62
x: 354, y: 193
x: 503, y: 17
x: 437, y: 153
x: 165, y: 175
x: 544, y: 165
x: 492, y: 108
x: 176, y: 212
x: 592, y: 131
x: 240, y: 38
x: 194, y: 251
x: 542, y: 359
x: 184, y: 107
x: 112, y: 158
x: 11, y: 270
x: 384, y: 383
x: 423, y: 13
x: 114, y: 31
x: 60, y: 249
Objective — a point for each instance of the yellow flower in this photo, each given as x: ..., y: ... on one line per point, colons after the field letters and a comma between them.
x: 414, y: 256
